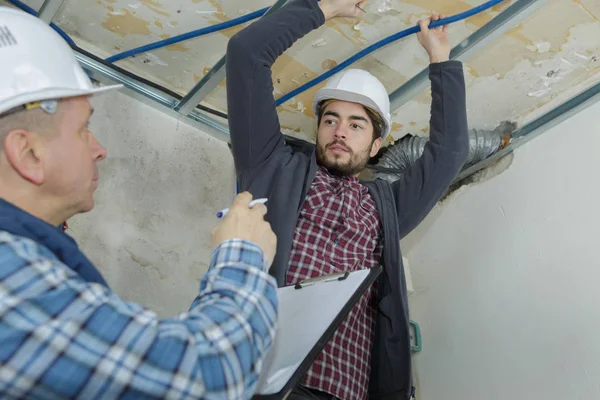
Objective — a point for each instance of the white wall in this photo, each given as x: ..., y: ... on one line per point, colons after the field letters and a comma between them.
x: 507, y: 277
x: 160, y: 187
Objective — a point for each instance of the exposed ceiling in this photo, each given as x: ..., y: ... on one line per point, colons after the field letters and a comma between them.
x: 551, y: 56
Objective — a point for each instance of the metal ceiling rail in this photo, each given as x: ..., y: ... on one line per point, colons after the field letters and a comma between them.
x: 108, y: 74
x: 49, y: 10
x: 485, y: 35
x: 203, y: 88
x: 167, y: 103
x: 212, y: 79
x: 539, y: 126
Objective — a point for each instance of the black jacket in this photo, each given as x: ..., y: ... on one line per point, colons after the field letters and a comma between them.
x: 269, y: 166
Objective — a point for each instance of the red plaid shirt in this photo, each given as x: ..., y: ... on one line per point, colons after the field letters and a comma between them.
x: 338, y: 230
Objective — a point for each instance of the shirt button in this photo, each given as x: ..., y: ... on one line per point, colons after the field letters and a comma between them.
x: 336, y: 240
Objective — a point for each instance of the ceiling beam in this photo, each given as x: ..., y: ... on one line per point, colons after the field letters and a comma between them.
x: 49, y: 10
x: 203, y: 88
x: 539, y: 126
x: 212, y: 79
x: 109, y: 74
x: 509, y: 18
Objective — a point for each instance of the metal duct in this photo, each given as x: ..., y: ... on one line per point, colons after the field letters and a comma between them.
x: 399, y: 156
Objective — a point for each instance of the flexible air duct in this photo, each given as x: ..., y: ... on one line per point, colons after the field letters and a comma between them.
x: 399, y: 156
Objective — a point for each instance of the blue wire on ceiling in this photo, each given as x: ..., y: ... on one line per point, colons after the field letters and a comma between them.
x: 187, y: 36
x: 31, y: 11
x: 384, y: 42
x: 259, y: 13
x: 256, y: 14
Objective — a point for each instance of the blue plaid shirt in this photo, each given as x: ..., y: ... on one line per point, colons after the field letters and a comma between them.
x: 62, y: 337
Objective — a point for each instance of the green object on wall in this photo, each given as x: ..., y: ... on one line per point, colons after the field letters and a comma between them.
x: 417, y: 335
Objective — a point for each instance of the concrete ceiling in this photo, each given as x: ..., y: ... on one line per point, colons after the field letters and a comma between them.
x: 551, y: 56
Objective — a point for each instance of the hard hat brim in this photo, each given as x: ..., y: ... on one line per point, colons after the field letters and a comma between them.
x: 351, y: 97
x: 53, y: 94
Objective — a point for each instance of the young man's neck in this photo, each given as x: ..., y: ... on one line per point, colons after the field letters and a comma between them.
x: 336, y: 175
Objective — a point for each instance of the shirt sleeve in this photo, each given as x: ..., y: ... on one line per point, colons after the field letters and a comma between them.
x: 63, y: 337
x: 253, y: 122
x: 425, y: 182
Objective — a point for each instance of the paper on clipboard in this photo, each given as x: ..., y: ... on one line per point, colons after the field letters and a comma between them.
x: 305, y: 314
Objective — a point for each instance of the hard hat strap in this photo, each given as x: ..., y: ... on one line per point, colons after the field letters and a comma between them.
x: 48, y: 106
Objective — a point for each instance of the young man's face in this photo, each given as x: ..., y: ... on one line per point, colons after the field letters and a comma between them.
x: 345, y: 139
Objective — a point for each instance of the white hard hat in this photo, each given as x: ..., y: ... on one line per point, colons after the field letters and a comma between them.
x: 37, y: 64
x: 358, y: 86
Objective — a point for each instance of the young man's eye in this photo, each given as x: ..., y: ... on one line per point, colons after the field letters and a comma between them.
x: 356, y: 126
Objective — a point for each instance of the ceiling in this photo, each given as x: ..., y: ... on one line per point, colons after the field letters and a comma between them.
x: 553, y: 55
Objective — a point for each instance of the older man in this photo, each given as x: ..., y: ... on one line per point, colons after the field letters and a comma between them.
x: 63, y: 332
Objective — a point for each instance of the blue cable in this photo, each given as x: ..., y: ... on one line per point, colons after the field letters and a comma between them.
x: 256, y: 14
x: 225, y: 25
x: 31, y: 11
x: 384, y: 42
x: 189, y: 35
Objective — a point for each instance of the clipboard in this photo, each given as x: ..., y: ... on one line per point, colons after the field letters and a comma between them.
x: 309, y: 314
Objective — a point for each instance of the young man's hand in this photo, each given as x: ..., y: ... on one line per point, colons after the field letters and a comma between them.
x: 341, y: 8
x: 435, y: 40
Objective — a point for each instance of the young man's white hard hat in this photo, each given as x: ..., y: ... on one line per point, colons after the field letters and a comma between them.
x: 37, y: 64
x: 358, y: 86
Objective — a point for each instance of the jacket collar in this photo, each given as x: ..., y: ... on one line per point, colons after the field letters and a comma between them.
x: 20, y: 223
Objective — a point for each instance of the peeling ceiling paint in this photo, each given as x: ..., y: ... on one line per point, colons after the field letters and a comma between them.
x: 538, y: 64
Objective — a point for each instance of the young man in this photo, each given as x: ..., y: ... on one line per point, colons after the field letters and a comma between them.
x: 327, y: 221
x: 63, y: 332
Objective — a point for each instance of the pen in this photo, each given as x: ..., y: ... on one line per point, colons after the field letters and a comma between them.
x: 224, y: 212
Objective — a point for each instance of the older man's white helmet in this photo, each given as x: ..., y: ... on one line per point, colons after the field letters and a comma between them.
x: 36, y: 63
x: 358, y: 86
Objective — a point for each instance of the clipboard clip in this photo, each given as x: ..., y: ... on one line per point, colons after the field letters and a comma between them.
x: 322, y: 279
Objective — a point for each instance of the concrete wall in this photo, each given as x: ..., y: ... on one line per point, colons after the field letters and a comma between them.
x: 161, y: 185
x: 506, y: 277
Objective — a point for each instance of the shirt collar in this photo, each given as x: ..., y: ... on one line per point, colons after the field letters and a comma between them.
x: 345, y: 179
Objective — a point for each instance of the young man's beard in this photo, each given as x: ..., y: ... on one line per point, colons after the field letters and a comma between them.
x: 355, y: 165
